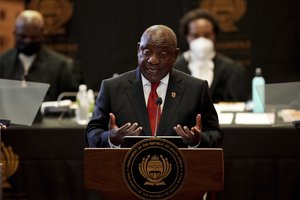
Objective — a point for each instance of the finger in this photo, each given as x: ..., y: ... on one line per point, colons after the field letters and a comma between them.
x: 123, y: 129
x: 195, y: 130
x: 199, y: 122
x: 178, y: 129
x: 132, y: 128
x: 136, y: 131
x: 197, y: 134
x: 187, y: 131
x: 112, y: 121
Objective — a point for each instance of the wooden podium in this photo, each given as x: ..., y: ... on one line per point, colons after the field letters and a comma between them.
x: 103, y: 172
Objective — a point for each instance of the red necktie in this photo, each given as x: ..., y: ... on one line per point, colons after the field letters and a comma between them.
x: 152, y: 106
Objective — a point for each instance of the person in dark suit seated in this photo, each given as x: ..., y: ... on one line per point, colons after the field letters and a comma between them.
x: 124, y: 104
x: 227, y: 80
x: 31, y: 61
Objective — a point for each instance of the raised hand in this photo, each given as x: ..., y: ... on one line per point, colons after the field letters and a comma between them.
x: 190, y: 137
x: 116, y: 134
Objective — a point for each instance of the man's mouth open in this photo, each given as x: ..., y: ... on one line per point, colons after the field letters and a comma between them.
x: 152, y: 71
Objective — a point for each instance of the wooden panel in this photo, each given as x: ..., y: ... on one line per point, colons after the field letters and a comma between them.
x: 8, y: 13
x: 103, y: 172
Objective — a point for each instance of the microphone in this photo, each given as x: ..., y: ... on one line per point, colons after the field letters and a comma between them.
x: 158, y: 103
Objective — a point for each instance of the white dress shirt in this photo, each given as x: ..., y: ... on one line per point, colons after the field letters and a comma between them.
x: 26, y: 62
x: 161, y: 92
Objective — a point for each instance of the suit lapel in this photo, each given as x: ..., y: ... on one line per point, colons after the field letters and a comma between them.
x: 174, y: 95
x: 135, y: 95
x: 38, y: 61
x: 14, y: 67
x: 12, y: 60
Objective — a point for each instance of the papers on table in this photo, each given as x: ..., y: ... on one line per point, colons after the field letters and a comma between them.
x: 230, y: 107
x: 225, y: 118
x: 289, y: 115
x: 234, y: 113
x: 225, y: 111
x: 255, y: 118
x: 247, y: 118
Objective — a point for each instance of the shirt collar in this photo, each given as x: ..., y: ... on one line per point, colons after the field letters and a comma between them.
x: 25, y: 58
x: 164, y: 81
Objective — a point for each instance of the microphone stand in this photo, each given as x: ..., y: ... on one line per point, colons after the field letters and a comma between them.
x: 158, y: 103
x: 156, y: 121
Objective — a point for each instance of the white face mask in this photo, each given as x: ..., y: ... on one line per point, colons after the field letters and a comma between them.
x: 202, y: 49
x: 200, y: 59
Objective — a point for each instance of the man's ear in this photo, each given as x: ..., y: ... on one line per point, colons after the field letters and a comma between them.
x: 138, y: 46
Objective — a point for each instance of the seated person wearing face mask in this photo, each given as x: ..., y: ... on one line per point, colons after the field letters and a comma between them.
x: 29, y: 60
x: 226, y: 79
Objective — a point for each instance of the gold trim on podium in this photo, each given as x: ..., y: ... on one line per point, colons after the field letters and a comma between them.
x: 10, y: 163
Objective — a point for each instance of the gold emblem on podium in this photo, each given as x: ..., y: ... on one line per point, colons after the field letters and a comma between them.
x: 10, y: 164
x: 228, y: 12
x: 55, y: 12
x: 154, y: 169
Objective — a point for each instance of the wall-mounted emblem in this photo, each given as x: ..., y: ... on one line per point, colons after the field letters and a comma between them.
x: 228, y: 12
x: 55, y: 12
x: 10, y: 163
x: 154, y: 169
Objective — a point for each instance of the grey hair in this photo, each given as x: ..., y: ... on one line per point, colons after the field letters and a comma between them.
x: 160, y: 29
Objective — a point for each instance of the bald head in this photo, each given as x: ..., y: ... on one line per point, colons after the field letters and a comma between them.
x: 160, y: 34
x: 30, y: 17
x: 29, y: 31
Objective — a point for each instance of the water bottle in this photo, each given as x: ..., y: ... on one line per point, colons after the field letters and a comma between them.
x: 258, y: 92
x: 91, y: 97
x: 82, y: 113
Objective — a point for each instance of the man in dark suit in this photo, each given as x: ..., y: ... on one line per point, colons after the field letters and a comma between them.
x: 227, y: 80
x: 186, y: 110
x: 31, y: 61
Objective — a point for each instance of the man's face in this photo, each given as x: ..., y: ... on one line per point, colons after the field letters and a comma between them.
x: 201, y: 28
x: 156, y: 55
x: 28, y: 38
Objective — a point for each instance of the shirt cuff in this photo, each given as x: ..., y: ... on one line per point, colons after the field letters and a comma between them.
x: 111, y: 145
x: 197, y: 145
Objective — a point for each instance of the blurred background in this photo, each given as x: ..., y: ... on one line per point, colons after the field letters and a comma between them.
x: 103, y: 35
x: 45, y: 161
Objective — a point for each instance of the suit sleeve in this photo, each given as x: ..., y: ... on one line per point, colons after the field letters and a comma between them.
x: 97, y: 129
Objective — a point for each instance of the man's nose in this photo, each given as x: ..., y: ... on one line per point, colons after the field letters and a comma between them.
x: 153, y: 60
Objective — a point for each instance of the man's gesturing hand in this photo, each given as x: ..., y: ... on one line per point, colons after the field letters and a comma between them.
x: 190, y: 137
x: 116, y: 134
